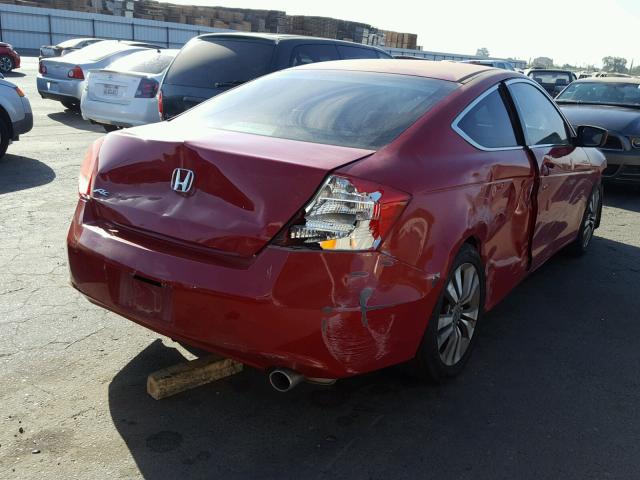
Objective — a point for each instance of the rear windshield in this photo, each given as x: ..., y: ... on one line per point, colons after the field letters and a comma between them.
x: 99, y: 50
x: 614, y: 93
x: 551, y: 78
x: 71, y: 42
x: 146, y: 61
x: 346, y: 108
x: 206, y: 62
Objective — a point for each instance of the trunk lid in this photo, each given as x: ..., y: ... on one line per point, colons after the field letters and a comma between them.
x: 57, y: 69
x: 113, y: 87
x: 245, y: 188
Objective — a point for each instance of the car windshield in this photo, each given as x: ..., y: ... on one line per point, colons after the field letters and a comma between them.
x: 207, y: 62
x: 147, y: 61
x: 617, y: 93
x: 98, y: 50
x: 551, y: 78
x: 346, y: 108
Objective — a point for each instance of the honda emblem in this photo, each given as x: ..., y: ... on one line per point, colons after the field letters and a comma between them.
x: 182, y: 180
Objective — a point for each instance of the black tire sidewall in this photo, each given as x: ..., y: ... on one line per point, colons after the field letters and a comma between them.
x: 428, y: 357
x: 5, y: 137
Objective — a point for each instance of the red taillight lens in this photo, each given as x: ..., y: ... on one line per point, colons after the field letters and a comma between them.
x: 88, y: 169
x: 160, y: 106
x: 147, y: 88
x: 76, y: 73
x: 42, y: 68
x: 346, y: 214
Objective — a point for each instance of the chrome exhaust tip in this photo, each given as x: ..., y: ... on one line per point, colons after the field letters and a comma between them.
x: 284, y: 380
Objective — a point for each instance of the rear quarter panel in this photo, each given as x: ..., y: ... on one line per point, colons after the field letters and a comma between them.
x: 459, y: 193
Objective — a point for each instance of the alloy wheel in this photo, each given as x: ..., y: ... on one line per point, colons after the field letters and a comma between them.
x: 459, y: 314
x: 5, y: 64
x: 590, y: 218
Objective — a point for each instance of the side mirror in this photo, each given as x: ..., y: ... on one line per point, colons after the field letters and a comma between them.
x: 589, y: 136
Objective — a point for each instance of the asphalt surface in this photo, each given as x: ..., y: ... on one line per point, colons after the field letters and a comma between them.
x: 552, y: 389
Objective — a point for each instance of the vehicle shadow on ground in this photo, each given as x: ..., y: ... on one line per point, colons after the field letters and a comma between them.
x: 553, y: 377
x: 624, y: 196
x: 21, y: 173
x: 14, y: 74
x: 72, y: 118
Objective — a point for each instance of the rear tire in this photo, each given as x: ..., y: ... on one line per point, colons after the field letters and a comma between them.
x: 590, y: 221
x: 452, y: 330
x: 70, y: 105
x: 6, y: 64
x: 4, y: 137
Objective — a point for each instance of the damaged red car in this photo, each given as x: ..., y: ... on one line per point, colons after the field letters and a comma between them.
x: 336, y: 218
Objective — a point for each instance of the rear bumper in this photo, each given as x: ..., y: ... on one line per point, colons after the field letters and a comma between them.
x: 622, y: 166
x: 327, y: 315
x: 141, y: 111
x: 60, y: 89
x: 23, y: 126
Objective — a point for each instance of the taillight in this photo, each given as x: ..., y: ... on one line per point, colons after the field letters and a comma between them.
x: 160, y: 106
x: 88, y: 169
x: 42, y: 68
x: 19, y: 91
x: 76, y: 73
x: 346, y: 214
x: 147, y: 88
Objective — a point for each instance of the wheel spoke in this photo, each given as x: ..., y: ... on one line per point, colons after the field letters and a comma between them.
x: 451, y: 294
x: 469, y: 326
x: 450, y: 350
x: 457, y: 282
x: 471, y: 285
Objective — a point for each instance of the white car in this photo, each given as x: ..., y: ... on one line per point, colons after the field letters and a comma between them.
x: 125, y: 93
x: 16, y: 116
x: 63, y: 78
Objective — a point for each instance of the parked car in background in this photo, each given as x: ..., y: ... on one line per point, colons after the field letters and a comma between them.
x: 584, y: 75
x: 125, y: 93
x: 68, y: 46
x: 552, y: 80
x: 612, y: 103
x: 612, y: 74
x: 63, y: 78
x: 16, y: 116
x: 211, y: 64
x: 492, y: 63
x: 9, y: 58
x: 336, y: 218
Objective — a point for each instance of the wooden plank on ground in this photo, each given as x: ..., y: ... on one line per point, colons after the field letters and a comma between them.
x: 188, y: 375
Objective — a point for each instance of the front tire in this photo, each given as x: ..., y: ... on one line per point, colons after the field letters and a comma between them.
x: 6, y: 64
x: 452, y: 329
x: 590, y: 221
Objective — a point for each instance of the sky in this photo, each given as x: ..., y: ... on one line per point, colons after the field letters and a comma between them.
x: 578, y: 32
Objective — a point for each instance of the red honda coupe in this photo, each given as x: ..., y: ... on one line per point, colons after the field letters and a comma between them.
x: 336, y: 218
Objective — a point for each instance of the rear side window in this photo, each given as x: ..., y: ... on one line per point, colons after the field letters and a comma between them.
x: 347, y: 52
x: 347, y: 108
x: 541, y: 122
x: 304, y: 54
x: 206, y: 62
x: 487, y: 124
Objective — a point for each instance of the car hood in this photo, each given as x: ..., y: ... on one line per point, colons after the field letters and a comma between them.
x: 618, y: 119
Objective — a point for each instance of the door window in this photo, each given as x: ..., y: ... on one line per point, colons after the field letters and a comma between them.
x: 304, y: 54
x: 541, y: 122
x: 487, y: 124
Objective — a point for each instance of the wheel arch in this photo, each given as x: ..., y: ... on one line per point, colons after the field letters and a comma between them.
x: 4, y: 116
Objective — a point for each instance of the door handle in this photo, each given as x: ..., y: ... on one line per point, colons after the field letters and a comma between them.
x: 546, y: 168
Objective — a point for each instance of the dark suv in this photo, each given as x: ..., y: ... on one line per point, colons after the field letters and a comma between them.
x: 210, y: 64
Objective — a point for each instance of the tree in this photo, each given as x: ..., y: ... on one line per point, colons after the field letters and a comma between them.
x: 614, y: 64
x: 482, y: 52
x: 544, y: 62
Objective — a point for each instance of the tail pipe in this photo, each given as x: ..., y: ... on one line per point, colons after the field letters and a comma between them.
x: 283, y: 379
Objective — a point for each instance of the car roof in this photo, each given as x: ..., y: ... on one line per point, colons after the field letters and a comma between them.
x: 634, y: 80
x: 449, y: 71
x: 282, y: 37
